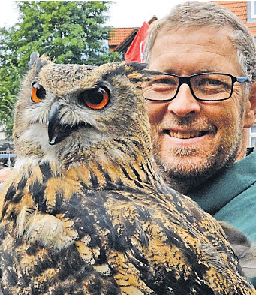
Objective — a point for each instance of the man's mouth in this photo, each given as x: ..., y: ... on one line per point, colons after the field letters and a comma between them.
x: 186, y: 134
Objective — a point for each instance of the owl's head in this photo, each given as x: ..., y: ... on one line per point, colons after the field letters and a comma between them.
x: 67, y: 109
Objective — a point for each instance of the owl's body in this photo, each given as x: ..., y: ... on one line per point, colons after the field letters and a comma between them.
x: 83, y: 211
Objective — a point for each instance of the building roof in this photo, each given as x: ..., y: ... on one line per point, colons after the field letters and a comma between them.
x: 120, y: 35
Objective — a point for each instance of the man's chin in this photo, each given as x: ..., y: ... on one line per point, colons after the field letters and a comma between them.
x: 186, y: 163
x: 184, y: 180
x: 188, y: 172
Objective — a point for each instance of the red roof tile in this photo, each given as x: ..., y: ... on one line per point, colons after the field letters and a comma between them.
x: 119, y: 35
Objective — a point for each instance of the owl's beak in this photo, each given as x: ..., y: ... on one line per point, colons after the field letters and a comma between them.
x: 56, y: 131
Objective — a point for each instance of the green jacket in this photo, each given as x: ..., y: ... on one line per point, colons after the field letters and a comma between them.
x: 231, y: 196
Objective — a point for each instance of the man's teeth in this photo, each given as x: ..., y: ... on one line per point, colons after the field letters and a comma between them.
x: 186, y: 135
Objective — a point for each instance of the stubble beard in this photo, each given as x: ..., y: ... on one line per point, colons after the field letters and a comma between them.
x: 187, y: 175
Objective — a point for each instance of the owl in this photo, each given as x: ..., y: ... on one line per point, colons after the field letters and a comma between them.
x: 84, y: 212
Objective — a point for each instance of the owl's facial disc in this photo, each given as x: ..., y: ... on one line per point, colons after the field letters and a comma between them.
x: 96, y: 98
x: 57, y: 131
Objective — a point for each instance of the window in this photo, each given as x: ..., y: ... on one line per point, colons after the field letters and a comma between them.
x: 251, y: 11
x: 253, y: 136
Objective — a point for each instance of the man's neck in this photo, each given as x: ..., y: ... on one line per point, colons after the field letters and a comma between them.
x: 183, y: 186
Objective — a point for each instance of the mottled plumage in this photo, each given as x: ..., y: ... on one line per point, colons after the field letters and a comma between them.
x: 83, y: 212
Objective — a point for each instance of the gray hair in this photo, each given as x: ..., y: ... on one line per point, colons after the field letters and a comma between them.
x: 199, y: 14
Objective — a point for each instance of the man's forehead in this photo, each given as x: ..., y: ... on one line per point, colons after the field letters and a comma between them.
x: 188, y: 29
x: 193, y: 39
x: 195, y: 49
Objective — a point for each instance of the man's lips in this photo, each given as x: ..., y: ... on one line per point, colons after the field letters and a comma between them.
x: 187, y: 134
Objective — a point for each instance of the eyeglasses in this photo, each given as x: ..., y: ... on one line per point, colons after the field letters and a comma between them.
x: 204, y: 87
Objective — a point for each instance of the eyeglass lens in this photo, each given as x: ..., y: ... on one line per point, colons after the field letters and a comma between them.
x: 204, y: 86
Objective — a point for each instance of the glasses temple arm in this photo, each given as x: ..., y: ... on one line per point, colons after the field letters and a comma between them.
x: 242, y: 79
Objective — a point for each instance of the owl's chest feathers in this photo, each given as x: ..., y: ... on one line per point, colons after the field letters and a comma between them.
x: 45, y: 194
x: 45, y: 185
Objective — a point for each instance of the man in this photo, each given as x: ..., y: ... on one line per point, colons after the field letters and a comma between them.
x: 200, y: 123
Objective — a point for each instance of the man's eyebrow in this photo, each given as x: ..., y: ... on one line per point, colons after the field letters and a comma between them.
x: 153, y: 72
x: 197, y: 72
x: 173, y: 72
x: 206, y: 71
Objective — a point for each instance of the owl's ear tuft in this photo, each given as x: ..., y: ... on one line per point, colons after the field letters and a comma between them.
x: 33, y: 58
x: 37, y: 62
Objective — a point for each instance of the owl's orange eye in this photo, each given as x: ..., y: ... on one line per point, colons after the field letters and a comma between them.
x: 96, y: 98
x: 37, y: 93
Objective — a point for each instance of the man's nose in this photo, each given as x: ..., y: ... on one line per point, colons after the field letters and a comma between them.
x: 184, y: 103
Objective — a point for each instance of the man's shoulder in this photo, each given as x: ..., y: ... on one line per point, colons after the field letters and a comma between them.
x: 240, y: 212
x: 247, y: 164
x: 231, y: 195
x: 226, y: 185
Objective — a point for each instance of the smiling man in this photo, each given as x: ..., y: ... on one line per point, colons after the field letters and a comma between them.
x: 200, y: 106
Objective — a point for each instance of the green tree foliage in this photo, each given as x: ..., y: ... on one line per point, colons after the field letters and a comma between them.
x: 9, y: 86
x: 66, y: 31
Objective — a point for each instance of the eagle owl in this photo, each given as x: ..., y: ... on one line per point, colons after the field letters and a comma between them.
x: 83, y: 211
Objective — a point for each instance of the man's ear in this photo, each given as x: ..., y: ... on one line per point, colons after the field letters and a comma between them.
x: 250, y: 108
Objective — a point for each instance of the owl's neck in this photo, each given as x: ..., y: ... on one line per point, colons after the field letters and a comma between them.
x: 119, y: 165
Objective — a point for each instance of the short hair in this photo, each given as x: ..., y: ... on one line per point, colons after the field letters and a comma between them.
x: 199, y: 14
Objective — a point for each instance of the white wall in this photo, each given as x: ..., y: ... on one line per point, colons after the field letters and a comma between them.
x: 2, y: 133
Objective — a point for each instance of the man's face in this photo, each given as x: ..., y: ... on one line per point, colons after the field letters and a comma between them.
x: 194, y: 138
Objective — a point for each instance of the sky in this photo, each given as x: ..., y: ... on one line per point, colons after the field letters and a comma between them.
x: 123, y: 13
x: 133, y: 13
